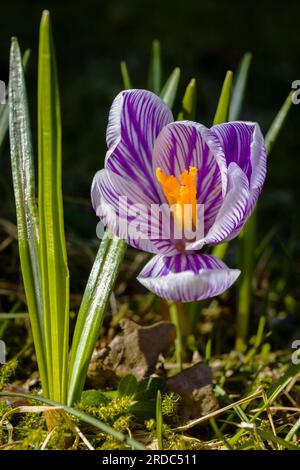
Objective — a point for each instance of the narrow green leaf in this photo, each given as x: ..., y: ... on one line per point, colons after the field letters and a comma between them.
x: 169, y: 91
x: 246, y: 264
x: 4, y: 109
x: 224, y: 100
x: 219, y: 433
x: 293, y: 431
x: 189, y: 102
x: 276, y: 126
x: 125, y: 76
x: 159, y: 422
x: 24, y: 188
x: 269, y: 436
x: 83, y: 417
x: 154, y: 78
x: 53, y: 256
x: 277, y: 388
x: 92, y: 310
x: 239, y: 87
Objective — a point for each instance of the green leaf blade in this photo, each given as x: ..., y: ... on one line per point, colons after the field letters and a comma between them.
x: 4, y: 109
x: 92, y: 310
x: 125, y: 76
x: 169, y: 91
x: 239, y: 87
x: 224, y: 100
x: 26, y: 210
x: 159, y: 421
x: 154, y: 77
x: 278, y: 122
x: 189, y: 102
x: 53, y: 256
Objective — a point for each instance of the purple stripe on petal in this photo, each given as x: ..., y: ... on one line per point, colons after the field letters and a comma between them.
x: 184, y: 144
x: 231, y: 216
x: 259, y: 167
x: 136, y: 118
x: 243, y: 143
x: 185, y: 278
x: 236, y: 138
x: 123, y: 206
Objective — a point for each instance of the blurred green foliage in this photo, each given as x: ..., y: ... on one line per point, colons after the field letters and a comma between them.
x: 204, y: 39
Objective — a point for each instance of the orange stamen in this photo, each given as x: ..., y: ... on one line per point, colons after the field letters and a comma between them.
x: 180, y: 193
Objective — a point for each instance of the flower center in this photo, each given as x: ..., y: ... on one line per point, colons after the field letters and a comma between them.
x: 181, y: 195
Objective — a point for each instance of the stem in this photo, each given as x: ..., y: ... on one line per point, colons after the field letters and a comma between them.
x: 247, y: 246
x: 174, y: 315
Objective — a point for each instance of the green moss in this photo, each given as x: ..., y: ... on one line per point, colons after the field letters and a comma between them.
x: 7, y: 371
x: 32, y: 441
x: 4, y: 408
x: 59, y: 437
x: 109, y: 412
x: 123, y: 423
x: 112, y: 444
x: 170, y: 404
x: 29, y: 422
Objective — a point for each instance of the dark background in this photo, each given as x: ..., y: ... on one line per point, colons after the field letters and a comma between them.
x: 204, y: 38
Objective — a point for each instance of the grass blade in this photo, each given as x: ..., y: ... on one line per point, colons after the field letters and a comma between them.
x: 189, y: 102
x: 224, y: 100
x: 53, y: 257
x: 276, y: 126
x: 293, y: 431
x: 4, y: 109
x: 154, y: 78
x: 169, y: 91
x: 159, y: 421
x: 24, y: 189
x: 92, y: 310
x: 82, y: 416
x: 125, y: 76
x: 268, y: 436
x: 239, y: 87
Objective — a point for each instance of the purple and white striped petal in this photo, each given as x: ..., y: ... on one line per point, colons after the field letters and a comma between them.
x: 185, y: 278
x: 231, y: 216
x: 123, y: 207
x: 184, y: 144
x: 135, y: 120
x: 243, y: 143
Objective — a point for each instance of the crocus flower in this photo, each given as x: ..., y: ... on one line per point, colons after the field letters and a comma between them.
x: 153, y: 160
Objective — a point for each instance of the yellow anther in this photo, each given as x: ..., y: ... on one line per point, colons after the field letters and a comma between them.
x: 181, y: 193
